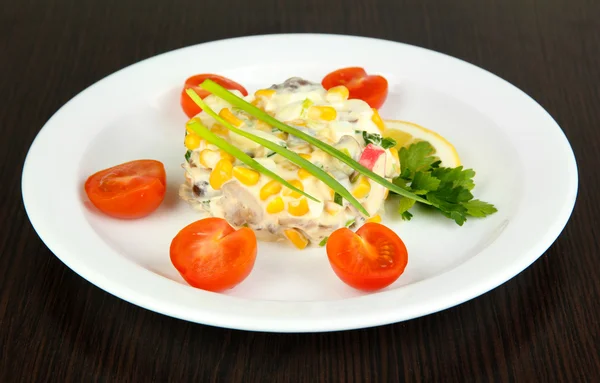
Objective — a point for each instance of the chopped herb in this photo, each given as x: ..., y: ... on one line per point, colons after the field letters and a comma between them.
x: 323, y: 241
x: 338, y: 199
x: 271, y: 154
x: 376, y: 139
x: 350, y: 222
x: 188, y: 154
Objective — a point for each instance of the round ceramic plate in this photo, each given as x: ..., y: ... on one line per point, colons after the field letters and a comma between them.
x: 524, y: 165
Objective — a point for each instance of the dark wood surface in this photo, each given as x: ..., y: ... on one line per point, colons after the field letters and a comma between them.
x: 543, y: 325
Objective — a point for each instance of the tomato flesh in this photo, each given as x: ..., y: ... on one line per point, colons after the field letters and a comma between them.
x: 370, y: 259
x: 211, y: 255
x: 373, y: 89
x: 189, y: 107
x: 128, y: 191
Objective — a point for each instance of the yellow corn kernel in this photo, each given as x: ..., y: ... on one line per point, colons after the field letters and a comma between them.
x: 229, y: 117
x: 296, y: 238
x: 220, y: 174
x: 386, y: 193
x: 208, y: 158
x: 275, y: 206
x: 298, y: 208
x: 246, y: 176
x: 226, y: 156
x: 266, y: 93
x: 291, y: 193
x: 362, y: 189
x: 282, y: 135
x: 332, y: 208
x: 192, y: 141
x: 375, y: 219
x: 303, y: 174
x: 338, y: 93
x: 270, y: 188
x: 378, y: 121
x: 325, y: 113
x: 220, y: 130
x: 261, y: 125
x: 332, y: 193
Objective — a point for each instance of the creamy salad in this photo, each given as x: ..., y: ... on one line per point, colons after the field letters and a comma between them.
x: 220, y: 186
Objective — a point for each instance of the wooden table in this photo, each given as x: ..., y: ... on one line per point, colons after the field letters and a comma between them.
x: 542, y: 325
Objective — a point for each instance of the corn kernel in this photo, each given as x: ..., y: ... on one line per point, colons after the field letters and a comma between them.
x: 375, y: 219
x: 386, y: 193
x: 362, y: 189
x: 298, y: 208
x: 226, y: 156
x: 275, y: 206
x: 291, y: 193
x: 246, y: 176
x: 266, y: 93
x: 263, y: 126
x: 220, y: 130
x: 303, y: 174
x: 296, y: 238
x: 220, y: 174
x: 325, y: 113
x: 270, y: 188
x: 229, y: 117
x: 377, y: 120
x: 332, y: 208
x: 337, y: 93
x: 209, y: 158
x: 282, y: 135
x: 192, y: 141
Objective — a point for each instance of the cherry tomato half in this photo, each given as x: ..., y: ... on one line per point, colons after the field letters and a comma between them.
x: 211, y: 255
x: 370, y: 259
x: 130, y: 190
x: 189, y: 107
x: 372, y: 89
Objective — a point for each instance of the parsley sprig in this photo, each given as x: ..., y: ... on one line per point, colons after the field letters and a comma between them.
x: 447, y: 189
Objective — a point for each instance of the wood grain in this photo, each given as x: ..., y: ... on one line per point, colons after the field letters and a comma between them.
x: 542, y: 326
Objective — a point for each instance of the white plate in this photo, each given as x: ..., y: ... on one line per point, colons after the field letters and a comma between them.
x: 523, y: 161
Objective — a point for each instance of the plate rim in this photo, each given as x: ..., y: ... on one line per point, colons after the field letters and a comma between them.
x: 117, y: 289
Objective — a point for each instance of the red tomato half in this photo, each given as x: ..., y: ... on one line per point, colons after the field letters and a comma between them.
x: 189, y: 107
x: 211, y: 255
x: 372, y: 89
x: 370, y: 259
x: 130, y: 190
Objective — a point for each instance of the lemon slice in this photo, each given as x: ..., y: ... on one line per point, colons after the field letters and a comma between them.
x: 406, y: 133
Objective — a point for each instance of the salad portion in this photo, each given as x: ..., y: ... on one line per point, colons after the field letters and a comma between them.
x: 221, y: 186
x: 306, y: 163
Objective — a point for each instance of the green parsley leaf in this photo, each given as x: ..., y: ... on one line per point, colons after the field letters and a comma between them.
x: 323, y: 241
x: 188, y: 154
x: 388, y: 143
x: 403, y: 207
x: 447, y: 189
x: 477, y: 208
x: 457, y: 176
x: 416, y: 158
x: 424, y: 182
